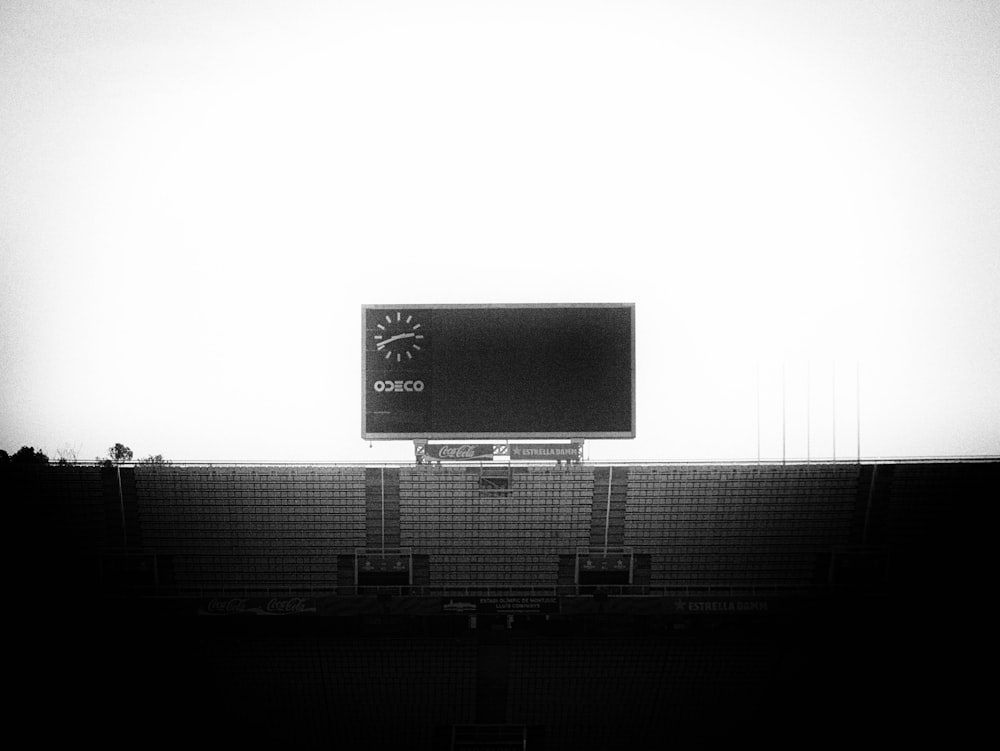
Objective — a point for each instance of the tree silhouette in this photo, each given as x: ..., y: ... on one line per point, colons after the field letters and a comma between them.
x: 120, y: 453
x: 27, y: 456
x: 66, y: 454
x: 154, y: 460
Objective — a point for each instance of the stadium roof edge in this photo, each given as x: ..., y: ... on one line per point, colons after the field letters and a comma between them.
x: 652, y: 463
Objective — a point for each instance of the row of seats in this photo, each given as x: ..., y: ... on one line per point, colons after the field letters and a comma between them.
x: 583, y: 692
x: 768, y: 526
x: 479, y: 537
x: 482, y: 538
x: 238, y: 516
x: 738, y: 513
x: 484, y: 568
x: 182, y: 497
x: 195, y: 513
x: 70, y: 505
x: 652, y: 687
x: 757, y: 526
x: 210, y: 544
x: 475, y: 538
x: 205, y: 573
x: 313, y: 691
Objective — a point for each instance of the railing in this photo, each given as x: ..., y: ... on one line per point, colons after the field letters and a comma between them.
x: 776, y: 461
x: 480, y: 590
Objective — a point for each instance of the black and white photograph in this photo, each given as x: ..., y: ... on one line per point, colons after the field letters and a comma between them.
x: 455, y: 375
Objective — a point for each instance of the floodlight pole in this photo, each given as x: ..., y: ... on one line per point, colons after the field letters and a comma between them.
x: 782, y: 412
x: 857, y: 403
x: 833, y: 390
x: 758, y: 415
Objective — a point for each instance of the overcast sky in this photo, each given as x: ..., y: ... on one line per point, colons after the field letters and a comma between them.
x: 196, y: 199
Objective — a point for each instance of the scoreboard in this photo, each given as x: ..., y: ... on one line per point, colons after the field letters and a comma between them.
x: 498, y: 371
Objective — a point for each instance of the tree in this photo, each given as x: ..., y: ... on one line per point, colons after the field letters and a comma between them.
x: 26, y: 456
x: 120, y: 453
x: 157, y: 460
x: 67, y: 454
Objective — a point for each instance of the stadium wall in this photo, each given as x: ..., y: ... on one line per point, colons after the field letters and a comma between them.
x: 296, y: 529
x: 604, y: 666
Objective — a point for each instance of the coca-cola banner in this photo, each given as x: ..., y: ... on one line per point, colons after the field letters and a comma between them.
x: 258, y: 606
x: 460, y: 452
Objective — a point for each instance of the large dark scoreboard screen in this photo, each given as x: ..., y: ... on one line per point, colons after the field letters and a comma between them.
x: 498, y: 371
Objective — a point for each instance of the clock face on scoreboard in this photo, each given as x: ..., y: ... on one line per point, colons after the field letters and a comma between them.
x: 398, y: 337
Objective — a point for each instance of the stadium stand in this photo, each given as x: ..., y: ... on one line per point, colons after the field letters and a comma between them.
x: 312, y: 687
x: 513, y: 535
x: 766, y: 527
x: 931, y: 527
x: 792, y: 605
x: 252, y: 530
x: 72, y: 507
x: 651, y: 686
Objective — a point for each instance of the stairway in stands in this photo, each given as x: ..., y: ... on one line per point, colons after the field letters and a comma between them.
x: 607, y: 525
x: 382, y: 507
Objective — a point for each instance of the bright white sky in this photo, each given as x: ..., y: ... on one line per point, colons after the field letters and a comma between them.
x: 196, y: 198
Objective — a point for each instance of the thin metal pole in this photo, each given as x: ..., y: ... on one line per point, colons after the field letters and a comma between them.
x: 782, y: 411
x: 382, y: 473
x: 121, y: 504
x: 857, y: 403
x: 607, y: 513
x: 758, y: 415
x: 808, y: 414
x: 833, y: 389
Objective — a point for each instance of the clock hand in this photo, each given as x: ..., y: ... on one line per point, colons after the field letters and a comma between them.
x: 392, y: 339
